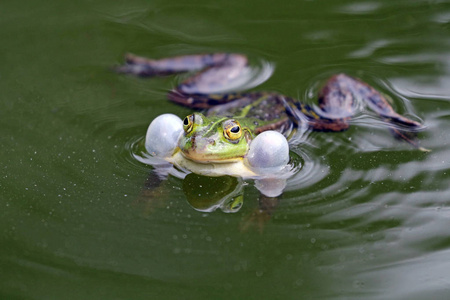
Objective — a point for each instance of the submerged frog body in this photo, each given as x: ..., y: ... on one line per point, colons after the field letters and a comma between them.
x: 228, y: 132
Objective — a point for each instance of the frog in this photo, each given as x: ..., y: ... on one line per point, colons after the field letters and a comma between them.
x: 240, y: 135
x: 246, y: 133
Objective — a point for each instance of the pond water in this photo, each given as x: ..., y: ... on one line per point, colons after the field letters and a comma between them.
x: 366, y: 218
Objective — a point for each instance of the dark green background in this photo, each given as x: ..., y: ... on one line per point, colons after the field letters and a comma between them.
x: 368, y: 220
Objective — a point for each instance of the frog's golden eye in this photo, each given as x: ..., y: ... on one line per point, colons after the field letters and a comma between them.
x: 232, y: 130
x: 188, y: 123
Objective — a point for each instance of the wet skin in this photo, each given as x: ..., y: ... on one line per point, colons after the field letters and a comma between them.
x: 233, y: 119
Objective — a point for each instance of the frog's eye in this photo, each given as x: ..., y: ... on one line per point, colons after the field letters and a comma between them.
x: 232, y: 130
x: 188, y: 123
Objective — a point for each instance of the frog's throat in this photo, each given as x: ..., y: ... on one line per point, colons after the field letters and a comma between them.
x: 233, y: 168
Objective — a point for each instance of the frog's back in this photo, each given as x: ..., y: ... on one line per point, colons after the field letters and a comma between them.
x: 266, y: 111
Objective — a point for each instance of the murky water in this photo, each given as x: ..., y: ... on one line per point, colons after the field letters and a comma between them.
x: 367, y: 216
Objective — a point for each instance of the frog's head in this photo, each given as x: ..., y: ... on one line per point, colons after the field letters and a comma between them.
x: 214, y: 139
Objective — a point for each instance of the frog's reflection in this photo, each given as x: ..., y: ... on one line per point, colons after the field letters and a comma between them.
x: 207, y: 194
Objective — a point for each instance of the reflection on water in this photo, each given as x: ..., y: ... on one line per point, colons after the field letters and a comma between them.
x: 207, y: 194
x: 366, y: 217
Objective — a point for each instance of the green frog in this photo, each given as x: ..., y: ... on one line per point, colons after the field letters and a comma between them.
x: 245, y: 133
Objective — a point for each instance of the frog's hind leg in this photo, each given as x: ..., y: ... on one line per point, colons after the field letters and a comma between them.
x: 202, y: 90
x: 302, y: 114
x: 146, y: 67
x: 339, y: 98
x: 353, y: 87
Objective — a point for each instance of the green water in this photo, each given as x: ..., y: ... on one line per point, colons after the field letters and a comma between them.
x: 368, y: 218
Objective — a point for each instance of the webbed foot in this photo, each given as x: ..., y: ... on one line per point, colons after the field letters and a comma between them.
x: 262, y: 215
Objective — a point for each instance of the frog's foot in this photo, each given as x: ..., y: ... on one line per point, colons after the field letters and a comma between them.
x: 154, y: 193
x: 151, y: 199
x: 139, y: 66
x: 262, y: 215
x: 401, y: 120
x: 408, y: 136
x: 257, y: 219
x: 404, y: 129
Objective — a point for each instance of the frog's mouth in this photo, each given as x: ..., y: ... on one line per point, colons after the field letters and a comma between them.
x: 206, y: 158
x: 200, y: 158
x: 205, y: 150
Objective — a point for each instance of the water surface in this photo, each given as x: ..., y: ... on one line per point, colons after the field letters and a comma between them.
x: 368, y: 219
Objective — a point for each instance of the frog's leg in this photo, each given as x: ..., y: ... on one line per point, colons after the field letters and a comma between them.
x: 302, y: 114
x: 338, y: 102
x: 338, y: 97
x: 201, y: 90
x: 155, y: 192
x: 261, y: 215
